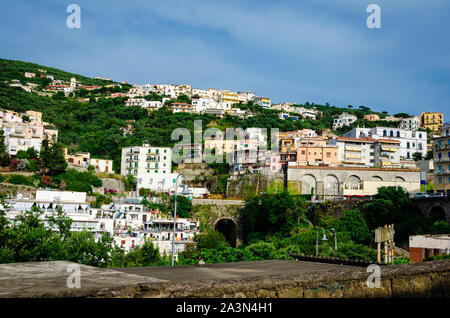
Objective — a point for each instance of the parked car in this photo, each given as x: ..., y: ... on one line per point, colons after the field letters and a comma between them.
x: 438, y: 195
x: 420, y: 195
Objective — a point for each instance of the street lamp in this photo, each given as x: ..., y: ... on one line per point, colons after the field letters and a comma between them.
x: 333, y: 232
x: 324, y: 238
x: 185, y: 191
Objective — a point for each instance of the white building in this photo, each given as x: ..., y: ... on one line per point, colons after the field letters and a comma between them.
x: 146, y: 159
x: 263, y: 102
x: 411, y: 123
x: 356, y: 152
x: 102, y: 165
x: 200, y: 105
x: 410, y: 141
x: 344, y: 120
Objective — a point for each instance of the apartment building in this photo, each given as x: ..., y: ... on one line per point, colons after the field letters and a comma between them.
x: 432, y: 120
x: 304, y: 112
x: 164, y: 89
x: 263, y: 102
x: 146, y: 159
x: 24, y: 135
x: 201, y: 93
x: 344, y: 120
x: 441, y: 157
x: 410, y: 123
x: 387, y: 153
x: 316, y: 151
x: 411, y: 141
x: 246, y: 96
x: 181, y: 108
x: 149, y: 165
x: 142, y: 102
x: 135, y: 92
x: 183, y: 89
x: 355, y: 152
x: 201, y: 104
x: 228, y: 98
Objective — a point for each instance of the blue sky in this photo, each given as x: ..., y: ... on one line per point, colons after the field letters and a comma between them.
x: 294, y: 51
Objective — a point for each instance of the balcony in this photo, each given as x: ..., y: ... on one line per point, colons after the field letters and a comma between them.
x: 442, y: 147
x: 442, y: 172
x: 443, y: 159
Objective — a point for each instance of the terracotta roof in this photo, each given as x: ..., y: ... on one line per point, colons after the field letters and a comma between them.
x: 366, y: 139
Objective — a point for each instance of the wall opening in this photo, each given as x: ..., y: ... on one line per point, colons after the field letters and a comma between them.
x: 228, y: 228
x: 437, y: 214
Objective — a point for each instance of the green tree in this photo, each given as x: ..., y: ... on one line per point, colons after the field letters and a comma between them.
x: 352, y: 221
x: 184, y: 206
x: 212, y: 239
x: 392, y: 205
x: 270, y: 214
x: 417, y: 156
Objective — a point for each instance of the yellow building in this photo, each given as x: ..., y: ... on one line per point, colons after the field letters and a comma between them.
x: 434, y: 121
x: 231, y: 98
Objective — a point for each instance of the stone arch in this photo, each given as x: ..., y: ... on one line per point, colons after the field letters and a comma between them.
x: 437, y: 213
x: 308, y: 183
x: 331, y: 185
x: 376, y: 178
x: 399, y: 179
x: 228, y: 228
x: 353, y: 182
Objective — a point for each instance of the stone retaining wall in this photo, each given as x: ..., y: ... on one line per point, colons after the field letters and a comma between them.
x: 428, y: 279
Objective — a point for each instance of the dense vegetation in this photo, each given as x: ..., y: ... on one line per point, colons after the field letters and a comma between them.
x: 277, y: 226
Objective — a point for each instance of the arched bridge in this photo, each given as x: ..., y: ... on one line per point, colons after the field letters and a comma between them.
x: 437, y: 208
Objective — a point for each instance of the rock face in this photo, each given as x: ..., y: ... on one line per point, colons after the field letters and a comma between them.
x: 110, y: 183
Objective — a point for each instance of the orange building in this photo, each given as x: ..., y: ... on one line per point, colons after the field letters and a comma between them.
x: 372, y: 117
x: 315, y: 151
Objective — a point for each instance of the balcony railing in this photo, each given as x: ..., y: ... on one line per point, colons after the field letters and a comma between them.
x: 442, y: 172
x: 443, y: 159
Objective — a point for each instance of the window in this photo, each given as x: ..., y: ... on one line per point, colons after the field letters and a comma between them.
x: 407, y: 145
x: 384, y: 132
x: 440, y: 180
x: 398, y: 134
x: 303, y: 152
x: 391, y: 133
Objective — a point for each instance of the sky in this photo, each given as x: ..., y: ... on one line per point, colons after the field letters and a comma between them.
x: 291, y: 51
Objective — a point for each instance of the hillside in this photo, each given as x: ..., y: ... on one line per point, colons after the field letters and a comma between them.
x: 10, y: 70
x: 96, y: 125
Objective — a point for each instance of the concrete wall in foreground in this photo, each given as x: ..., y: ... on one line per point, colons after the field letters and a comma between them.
x: 428, y: 279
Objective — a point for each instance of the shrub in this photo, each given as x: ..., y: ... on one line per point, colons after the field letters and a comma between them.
x: 19, y: 179
x: 262, y: 250
x: 211, y: 239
